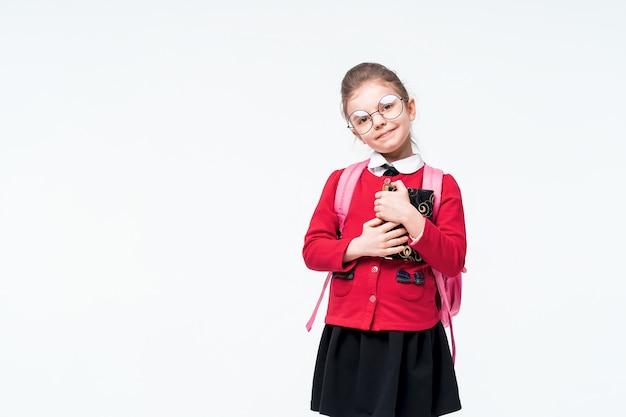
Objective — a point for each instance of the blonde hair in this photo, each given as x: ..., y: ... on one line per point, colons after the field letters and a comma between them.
x: 368, y: 71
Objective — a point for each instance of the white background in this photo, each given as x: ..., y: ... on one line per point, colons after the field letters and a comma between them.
x: 160, y: 160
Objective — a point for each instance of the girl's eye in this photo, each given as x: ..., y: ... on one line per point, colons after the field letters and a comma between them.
x: 359, y: 117
x: 363, y: 120
x: 388, y: 104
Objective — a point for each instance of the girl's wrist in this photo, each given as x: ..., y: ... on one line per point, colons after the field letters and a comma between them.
x: 415, y: 227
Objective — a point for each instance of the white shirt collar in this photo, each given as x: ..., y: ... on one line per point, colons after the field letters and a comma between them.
x: 404, y: 166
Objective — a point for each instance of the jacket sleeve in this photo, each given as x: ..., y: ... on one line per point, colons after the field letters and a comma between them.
x: 323, y: 250
x: 443, y: 245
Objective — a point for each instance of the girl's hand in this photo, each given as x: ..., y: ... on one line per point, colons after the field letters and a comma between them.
x: 378, y: 238
x: 396, y: 207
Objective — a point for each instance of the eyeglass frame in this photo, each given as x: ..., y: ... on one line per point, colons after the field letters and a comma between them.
x: 402, y: 100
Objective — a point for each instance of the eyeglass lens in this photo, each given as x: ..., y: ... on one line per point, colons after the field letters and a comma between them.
x: 389, y: 107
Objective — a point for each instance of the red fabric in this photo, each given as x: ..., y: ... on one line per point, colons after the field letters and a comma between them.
x: 374, y: 300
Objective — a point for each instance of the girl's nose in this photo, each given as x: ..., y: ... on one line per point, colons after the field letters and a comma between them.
x: 378, y: 120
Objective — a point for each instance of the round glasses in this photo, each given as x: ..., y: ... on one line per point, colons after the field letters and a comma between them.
x: 389, y: 107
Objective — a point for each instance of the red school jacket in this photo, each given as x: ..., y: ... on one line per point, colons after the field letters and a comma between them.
x: 370, y: 295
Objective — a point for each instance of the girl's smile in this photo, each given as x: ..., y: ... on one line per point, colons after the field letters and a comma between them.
x: 385, y: 134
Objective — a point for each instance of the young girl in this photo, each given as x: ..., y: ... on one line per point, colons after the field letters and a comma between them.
x: 383, y: 350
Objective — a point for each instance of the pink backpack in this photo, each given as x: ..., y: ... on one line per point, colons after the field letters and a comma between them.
x: 449, y: 287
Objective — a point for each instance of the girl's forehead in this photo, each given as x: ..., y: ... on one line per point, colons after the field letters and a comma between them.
x: 368, y: 94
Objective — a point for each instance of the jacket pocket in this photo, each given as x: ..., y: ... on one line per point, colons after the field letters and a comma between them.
x: 410, y: 284
x: 342, y: 283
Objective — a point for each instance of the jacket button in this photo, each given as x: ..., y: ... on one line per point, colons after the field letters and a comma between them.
x: 374, y: 269
x: 372, y: 298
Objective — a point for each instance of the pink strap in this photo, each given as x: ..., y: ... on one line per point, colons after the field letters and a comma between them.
x: 446, y: 308
x: 343, y: 195
x: 433, y: 178
x: 345, y: 188
x: 309, y: 324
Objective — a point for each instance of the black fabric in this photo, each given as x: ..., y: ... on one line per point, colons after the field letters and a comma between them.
x: 391, y: 170
x: 384, y: 374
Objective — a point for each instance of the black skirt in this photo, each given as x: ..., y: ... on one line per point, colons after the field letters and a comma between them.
x: 384, y: 374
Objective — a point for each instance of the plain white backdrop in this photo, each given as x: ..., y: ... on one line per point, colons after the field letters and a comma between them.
x: 160, y: 160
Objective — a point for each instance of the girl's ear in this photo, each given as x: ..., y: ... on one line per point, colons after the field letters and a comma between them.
x: 411, y: 108
x: 356, y: 135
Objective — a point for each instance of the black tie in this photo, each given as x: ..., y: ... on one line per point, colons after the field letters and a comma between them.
x: 391, y: 171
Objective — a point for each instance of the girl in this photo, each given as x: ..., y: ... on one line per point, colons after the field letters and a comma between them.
x: 383, y: 351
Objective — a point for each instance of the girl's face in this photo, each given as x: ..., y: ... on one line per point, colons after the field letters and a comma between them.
x: 389, y: 137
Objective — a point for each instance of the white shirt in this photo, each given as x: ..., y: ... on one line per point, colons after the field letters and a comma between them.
x: 404, y: 166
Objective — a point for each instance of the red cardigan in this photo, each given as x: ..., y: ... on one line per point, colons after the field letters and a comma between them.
x: 374, y: 299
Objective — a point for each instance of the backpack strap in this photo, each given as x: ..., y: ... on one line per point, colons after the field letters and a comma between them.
x: 345, y: 188
x: 309, y: 324
x: 433, y: 179
x: 343, y: 195
x: 446, y: 315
